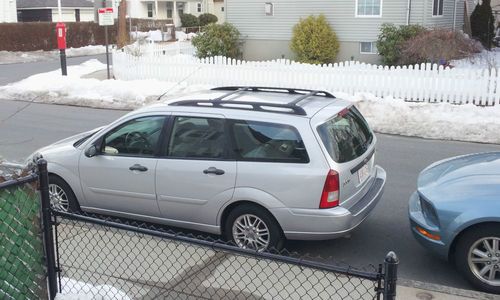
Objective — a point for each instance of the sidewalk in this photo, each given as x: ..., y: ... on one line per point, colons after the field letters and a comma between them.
x: 416, y: 290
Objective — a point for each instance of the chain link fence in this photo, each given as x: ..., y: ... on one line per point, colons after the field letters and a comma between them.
x: 22, y: 265
x: 117, y: 259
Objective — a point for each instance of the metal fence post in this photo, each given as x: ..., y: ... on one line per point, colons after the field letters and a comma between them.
x: 390, y: 275
x: 48, y: 238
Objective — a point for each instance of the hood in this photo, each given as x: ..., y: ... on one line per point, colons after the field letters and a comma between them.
x: 470, y: 177
x: 70, y: 141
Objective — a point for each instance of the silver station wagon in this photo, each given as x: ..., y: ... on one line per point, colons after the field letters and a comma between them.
x: 256, y: 165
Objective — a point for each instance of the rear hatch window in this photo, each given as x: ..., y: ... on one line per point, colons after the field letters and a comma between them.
x: 346, y: 136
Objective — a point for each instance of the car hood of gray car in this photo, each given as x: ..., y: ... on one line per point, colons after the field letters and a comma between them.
x: 470, y: 177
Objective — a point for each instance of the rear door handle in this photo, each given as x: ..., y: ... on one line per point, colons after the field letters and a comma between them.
x: 138, y: 167
x: 213, y: 170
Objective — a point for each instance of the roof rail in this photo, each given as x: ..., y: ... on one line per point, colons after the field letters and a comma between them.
x: 273, y: 90
x: 284, y: 108
x: 257, y: 106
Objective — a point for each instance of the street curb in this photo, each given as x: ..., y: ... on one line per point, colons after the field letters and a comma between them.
x: 447, y: 290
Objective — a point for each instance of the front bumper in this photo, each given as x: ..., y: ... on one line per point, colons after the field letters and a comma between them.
x: 324, y: 224
x: 417, y: 218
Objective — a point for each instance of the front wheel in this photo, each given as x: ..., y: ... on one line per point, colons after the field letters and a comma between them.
x: 61, y: 196
x: 252, y: 227
x: 478, y: 257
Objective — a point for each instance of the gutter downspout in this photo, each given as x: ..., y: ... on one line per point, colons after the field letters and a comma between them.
x: 408, y: 13
x: 454, y: 14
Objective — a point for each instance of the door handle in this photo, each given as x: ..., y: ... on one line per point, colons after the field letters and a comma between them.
x: 213, y: 170
x: 138, y: 167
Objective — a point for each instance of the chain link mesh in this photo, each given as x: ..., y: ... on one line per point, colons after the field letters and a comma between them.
x: 22, y: 272
x: 102, y: 260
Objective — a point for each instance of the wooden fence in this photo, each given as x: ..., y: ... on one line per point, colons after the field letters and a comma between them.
x: 425, y: 82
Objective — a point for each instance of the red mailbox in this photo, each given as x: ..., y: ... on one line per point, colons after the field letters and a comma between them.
x: 61, y: 35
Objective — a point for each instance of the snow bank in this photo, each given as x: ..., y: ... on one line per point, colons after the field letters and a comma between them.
x: 484, y: 60
x: 183, y: 37
x: 8, y: 57
x: 388, y: 115
x: 86, y: 291
x: 51, y: 87
x: 431, y: 120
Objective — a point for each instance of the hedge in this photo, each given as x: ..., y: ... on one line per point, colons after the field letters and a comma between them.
x: 42, y: 35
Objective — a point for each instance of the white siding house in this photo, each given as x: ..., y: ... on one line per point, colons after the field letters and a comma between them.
x: 266, y: 25
x: 46, y: 10
x: 8, y: 11
x: 164, y: 10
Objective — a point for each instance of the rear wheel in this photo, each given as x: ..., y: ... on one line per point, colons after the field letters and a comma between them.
x: 61, y: 196
x: 478, y: 257
x: 252, y: 227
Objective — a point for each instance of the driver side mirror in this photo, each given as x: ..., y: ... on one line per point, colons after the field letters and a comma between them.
x: 91, y: 151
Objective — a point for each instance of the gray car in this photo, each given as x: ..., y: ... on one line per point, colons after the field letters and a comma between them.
x: 256, y: 165
x: 455, y: 213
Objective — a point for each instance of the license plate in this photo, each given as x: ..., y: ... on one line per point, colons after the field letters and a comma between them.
x: 364, y: 172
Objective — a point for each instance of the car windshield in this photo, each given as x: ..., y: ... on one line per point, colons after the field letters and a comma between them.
x: 346, y: 136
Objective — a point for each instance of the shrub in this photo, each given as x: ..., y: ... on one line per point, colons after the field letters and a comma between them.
x: 205, y: 19
x: 391, y: 40
x: 483, y: 23
x: 314, y: 41
x: 438, y: 46
x: 189, y: 20
x: 218, y: 40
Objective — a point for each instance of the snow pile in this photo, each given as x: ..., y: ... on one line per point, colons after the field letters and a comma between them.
x: 431, y: 120
x: 387, y: 115
x: 86, y: 291
x: 183, y: 37
x: 483, y: 60
x: 8, y: 57
x: 155, y: 36
x: 51, y: 87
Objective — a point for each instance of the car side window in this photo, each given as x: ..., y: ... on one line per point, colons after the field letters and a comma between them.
x: 138, y: 137
x: 197, y: 137
x: 270, y: 142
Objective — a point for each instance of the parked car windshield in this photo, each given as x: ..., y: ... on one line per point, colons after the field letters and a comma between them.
x: 346, y: 136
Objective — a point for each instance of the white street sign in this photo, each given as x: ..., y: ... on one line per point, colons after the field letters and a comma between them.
x: 106, y: 16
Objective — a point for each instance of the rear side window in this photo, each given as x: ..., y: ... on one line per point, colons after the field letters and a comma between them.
x: 346, y: 136
x: 269, y: 142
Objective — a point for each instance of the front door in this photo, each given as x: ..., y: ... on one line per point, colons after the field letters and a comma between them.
x: 195, y: 177
x: 121, y: 178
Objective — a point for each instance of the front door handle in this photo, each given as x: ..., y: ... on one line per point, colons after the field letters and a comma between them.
x: 213, y: 170
x: 138, y: 167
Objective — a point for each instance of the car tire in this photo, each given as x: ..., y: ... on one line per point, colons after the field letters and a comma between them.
x: 258, y: 220
x: 468, y: 242
x: 65, y: 200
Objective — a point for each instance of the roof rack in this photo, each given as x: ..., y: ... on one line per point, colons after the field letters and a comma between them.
x: 257, y: 106
x: 285, y: 108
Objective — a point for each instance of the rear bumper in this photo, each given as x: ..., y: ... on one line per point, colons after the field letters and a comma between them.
x: 324, y: 224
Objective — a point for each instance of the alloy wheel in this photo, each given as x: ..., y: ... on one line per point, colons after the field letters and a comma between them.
x: 484, y: 260
x: 250, y: 232
x: 58, y: 198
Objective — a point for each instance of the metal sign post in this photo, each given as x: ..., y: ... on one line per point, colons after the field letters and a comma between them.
x: 106, y: 18
x: 61, y: 40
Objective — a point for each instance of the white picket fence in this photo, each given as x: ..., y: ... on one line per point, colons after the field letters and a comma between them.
x: 423, y: 82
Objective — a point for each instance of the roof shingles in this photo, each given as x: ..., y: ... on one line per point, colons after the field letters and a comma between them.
x: 53, y: 3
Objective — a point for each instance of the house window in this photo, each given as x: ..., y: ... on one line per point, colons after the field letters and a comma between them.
x: 368, y: 8
x: 437, y: 8
x: 222, y: 8
x: 77, y: 15
x: 269, y: 9
x: 368, y: 48
x: 170, y: 9
x: 198, y: 7
x: 150, y: 10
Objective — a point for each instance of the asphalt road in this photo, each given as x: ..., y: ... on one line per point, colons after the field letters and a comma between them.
x: 25, y: 127
x: 10, y: 73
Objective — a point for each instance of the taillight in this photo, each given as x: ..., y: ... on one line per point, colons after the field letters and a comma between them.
x: 330, y: 195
